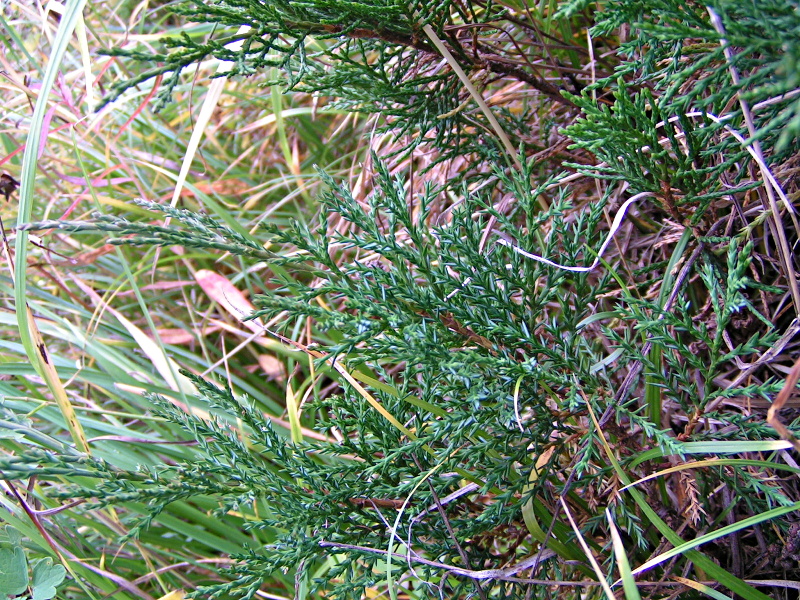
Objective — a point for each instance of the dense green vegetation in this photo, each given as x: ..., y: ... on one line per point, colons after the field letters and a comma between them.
x: 427, y: 300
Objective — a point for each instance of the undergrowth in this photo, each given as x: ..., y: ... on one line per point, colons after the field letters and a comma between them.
x: 512, y: 367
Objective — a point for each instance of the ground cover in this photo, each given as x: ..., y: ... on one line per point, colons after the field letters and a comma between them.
x: 412, y: 301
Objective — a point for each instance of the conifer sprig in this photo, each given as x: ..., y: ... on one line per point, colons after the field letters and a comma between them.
x: 521, y: 386
x: 198, y: 231
x: 464, y: 325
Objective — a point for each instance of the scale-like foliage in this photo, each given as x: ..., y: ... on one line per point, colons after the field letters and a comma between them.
x: 470, y: 379
x: 372, y: 57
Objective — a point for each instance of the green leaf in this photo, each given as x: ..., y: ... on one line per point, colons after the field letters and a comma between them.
x: 10, y: 535
x: 13, y: 571
x: 46, y: 576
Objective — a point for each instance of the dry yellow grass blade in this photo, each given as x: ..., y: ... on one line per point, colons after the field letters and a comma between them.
x: 336, y: 364
x: 786, y: 254
x: 48, y: 372
x: 509, y: 147
x: 531, y: 522
x: 207, y: 109
x: 601, y: 577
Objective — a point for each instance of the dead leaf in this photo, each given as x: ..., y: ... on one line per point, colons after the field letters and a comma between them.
x: 224, y: 293
x: 272, y: 367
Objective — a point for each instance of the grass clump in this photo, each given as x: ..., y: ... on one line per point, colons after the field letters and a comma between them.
x: 527, y: 348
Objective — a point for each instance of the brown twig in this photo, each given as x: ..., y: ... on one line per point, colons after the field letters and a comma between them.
x: 482, y: 61
x: 450, y: 531
x: 780, y: 400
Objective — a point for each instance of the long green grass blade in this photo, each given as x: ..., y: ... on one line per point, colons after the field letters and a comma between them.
x: 69, y: 19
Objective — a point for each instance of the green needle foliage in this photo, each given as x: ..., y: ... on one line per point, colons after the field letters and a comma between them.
x: 465, y: 394
x: 371, y: 57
